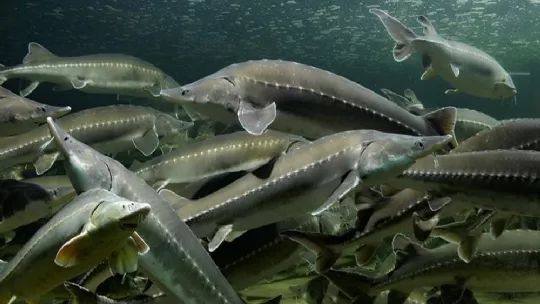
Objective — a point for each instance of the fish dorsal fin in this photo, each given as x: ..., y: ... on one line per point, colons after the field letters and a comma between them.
x: 405, y: 249
x: 427, y: 26
x: 444, y: 121
x: 37, y: 53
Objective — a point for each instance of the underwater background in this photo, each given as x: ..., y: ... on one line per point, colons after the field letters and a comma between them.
x: 189, y: 39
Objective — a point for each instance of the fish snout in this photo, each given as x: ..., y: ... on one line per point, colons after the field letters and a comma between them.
x: 178, y: 94
x: 136, y: 213
x: 429, y: 144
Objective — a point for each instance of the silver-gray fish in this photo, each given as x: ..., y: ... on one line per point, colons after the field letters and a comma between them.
x: 309, y: 178
x: 95, y: 225
x: 239, y: 151
x: 522, y: 134
x: 99, y: 73
x: 468, y: 69
x: 19, y: 114
x: 81, y: 295
x: 302, y: 100
x: 110, y: 129
x: 177, y: 263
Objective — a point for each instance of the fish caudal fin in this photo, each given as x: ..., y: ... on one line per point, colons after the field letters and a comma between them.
x: 444, y: 121
x: 401, y: 34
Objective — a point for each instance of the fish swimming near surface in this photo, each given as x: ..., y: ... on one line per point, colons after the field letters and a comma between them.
x: 177, y: 263
x: 97, y: 225
x: 19, y: 114
x: 308, y: 179
x: 110, y: 129
x: 99, y: 73
x: 217, y: 155
x: 303, y: 100
x: 468, y: 69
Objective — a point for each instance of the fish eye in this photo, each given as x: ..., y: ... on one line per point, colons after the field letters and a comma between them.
x: 419, y: 144
x: 184, y: 92
x: 42, y: 109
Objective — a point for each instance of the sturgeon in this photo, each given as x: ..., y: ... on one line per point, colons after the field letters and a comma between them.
x: 19, y: 114
x: 522, y: 134
x: 88, y: 230
x: 309, y: 178
x: 468, y: 69
x: 178, y: 263
x: 110, y: 129
x: 302, y: 100
x: 507, y: 264
x: 239, y: 151
x: 22, y: 203
x: 405, y: 212
x: 82, y: 295
x: 99, y: 73
x: 505, y: 180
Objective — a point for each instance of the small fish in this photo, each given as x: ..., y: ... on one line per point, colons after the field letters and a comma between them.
x: 110, y: 129
x: 178, y: 264
x: 22, y: 203
x: 99, y: 73
x: 239, y: 151
x: 88, y: 230
x: 19, y: 114
x: 303, y: 100
x: 468, y: 69
x: 308, y: 179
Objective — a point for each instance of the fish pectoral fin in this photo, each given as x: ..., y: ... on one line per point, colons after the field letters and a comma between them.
x: 29, y: 89
x: 159, y: 185
x: 193, y: 114
x: 8, y: 236
x: 467, y: 247
x: 220, y: 236
x: 37, y: 53
x: 349, y: 182
x: 439, y: 203
x: 422, y: 227
x: 404, y: 249
x: 68, y: 254
x: 256, y: 120
x: 176, y: 201
x: 125, y: 259
x: 265, y: 170
x: 154, y: 89
x: 455, y: 69
x: 141, y: 246
x: 496, y: 227
x: 428, y: 74
x: 147, y: 143
x: 452, y: 92
x: 45, y: 162
x: 78, y: 83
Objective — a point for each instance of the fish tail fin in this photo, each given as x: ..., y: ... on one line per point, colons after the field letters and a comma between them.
x: 327, y: 249
x: 444, y: 121
x: 402, y: 35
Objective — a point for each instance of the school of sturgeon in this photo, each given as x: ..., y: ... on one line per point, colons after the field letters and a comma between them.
x: 322, y: 190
